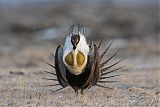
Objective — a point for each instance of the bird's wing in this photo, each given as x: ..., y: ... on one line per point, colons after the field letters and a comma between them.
x: 93, y: 67
x: 60, y: 67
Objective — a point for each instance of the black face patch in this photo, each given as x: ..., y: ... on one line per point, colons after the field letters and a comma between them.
x: 75, y: 40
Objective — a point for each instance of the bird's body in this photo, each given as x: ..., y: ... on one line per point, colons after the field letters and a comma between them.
x: 78, y: 64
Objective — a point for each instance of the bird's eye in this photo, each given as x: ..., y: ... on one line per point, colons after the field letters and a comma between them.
x: 80, y: 58
x: 69, y: 59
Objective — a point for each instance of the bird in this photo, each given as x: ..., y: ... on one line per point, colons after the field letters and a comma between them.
x: 79, y: 64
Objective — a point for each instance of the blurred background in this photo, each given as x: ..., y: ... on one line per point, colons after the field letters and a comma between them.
x: 29, y: 29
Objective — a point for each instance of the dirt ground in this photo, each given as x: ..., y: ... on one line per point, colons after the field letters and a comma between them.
x: 21, y: 84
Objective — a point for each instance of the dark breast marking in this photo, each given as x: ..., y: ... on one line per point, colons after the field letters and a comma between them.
x: 75, y: 40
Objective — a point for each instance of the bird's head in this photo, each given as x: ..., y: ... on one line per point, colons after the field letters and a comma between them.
x: 75, y: 51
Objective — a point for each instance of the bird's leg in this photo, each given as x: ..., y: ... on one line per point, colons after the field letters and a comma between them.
x: 78, y: 95
x: 83, y: 97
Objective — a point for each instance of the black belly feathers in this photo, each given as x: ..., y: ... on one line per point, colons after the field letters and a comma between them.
x: 95, y: 72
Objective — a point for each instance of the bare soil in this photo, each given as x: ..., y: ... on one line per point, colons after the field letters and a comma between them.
x: 21, y: 84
